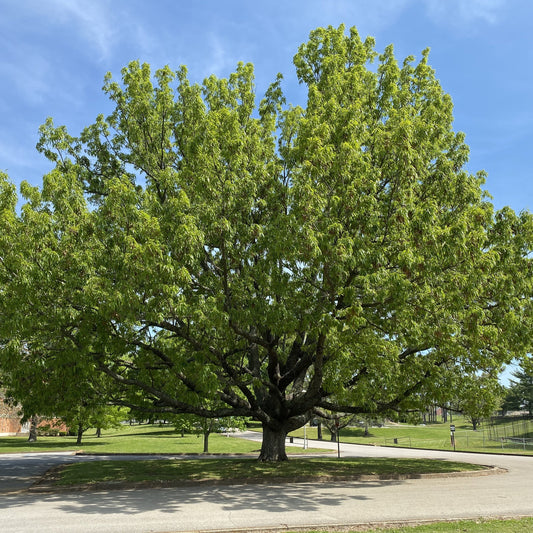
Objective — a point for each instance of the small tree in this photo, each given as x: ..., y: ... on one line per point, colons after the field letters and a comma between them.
x: 207, y: 426
x: 108, y: 417
x: 46, y: 386
x: 338, y: 422
x: 82, y: 417
x: 480, y: 397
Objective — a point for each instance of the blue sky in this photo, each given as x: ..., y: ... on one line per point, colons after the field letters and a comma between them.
x: 55, y: 53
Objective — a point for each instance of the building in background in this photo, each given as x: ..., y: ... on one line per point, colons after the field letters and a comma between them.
x: 10, y: 419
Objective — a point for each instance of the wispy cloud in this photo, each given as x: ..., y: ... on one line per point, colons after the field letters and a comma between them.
x: 221, y: 58
x: 28, y: 74
x: 380, y: 14
x: 461, y: 12
x: 93, y: 20
x: 377, y: 14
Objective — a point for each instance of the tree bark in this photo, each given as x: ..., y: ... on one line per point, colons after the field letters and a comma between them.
x: 80, y: 434
x: 33, y: 429
x: 273, y: 445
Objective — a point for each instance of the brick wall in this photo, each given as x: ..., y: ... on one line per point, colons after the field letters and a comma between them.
x: 9, y: 418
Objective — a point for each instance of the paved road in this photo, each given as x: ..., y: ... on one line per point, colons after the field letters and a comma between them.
x: 286, y: 505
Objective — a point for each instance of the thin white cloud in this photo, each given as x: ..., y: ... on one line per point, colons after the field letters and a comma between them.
x: 28, y: 75
x: 461, y: 12
x: 381, y: 14
x: 93, y: 20
x: 377, y: 14
x: 221, y: 60
x: 20, y: 160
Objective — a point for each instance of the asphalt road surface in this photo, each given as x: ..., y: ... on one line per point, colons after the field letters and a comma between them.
x: 249, y: 507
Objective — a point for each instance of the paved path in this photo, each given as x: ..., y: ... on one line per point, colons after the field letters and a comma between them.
x: 246, y: 507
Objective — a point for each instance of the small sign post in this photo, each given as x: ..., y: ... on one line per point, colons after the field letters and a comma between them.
x: 452, y: 435
x: 338, y: 438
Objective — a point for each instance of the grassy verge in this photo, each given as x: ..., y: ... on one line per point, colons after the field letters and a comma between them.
x: 250, y: 470
x: 524, y: 525
x: 431, y: 436
x: 138, y: 439
x: 130, y: 439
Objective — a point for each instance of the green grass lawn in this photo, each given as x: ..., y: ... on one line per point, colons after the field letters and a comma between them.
x: 251, y: 470
x: 430, y: 436
x: 136, y: 439
x: 524, y: 525
x: 164, y: 439
x: 156, y: 439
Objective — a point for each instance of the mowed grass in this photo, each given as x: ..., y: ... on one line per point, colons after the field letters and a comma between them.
x: 153, y: 439
x: 164, y: 439
x: 430, y: 436
x: 136, y: 439
x: 524, y: 525
x: 251, y: 470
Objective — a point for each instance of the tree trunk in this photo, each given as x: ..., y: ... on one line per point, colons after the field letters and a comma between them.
x: 33, y: 429
x: 206, y: 442
x: 319, y: 431
x: 273, y: 445
x: 80, y: 434
x: 98, y: 432
x: 333, y: 434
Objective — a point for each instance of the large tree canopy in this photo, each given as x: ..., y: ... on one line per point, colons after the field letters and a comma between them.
x: 218, y: 256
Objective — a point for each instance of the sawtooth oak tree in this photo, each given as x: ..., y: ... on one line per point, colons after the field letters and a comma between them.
x: 221, y: 257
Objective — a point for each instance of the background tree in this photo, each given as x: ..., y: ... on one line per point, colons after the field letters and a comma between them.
x: 206, y: 426
x: 519, y: 394
x: 337, y: 423
x: 108, y: 417
x: 57, y: 389
x: 478, y: 399
x: 221, y: 259
x: 79, y: 418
